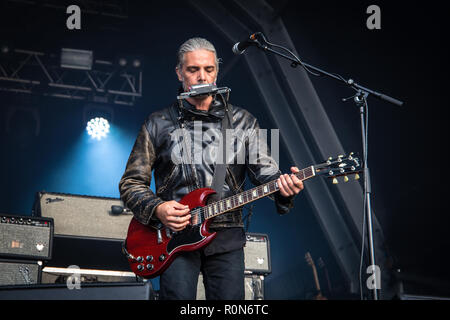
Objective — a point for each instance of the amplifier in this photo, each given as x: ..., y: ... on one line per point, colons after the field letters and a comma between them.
x: 26, y: 237
x: 253, y: 287
x: 84, y: 216
x: 257, y: 254
x: 18, y: 272
x: 88, y: 253
x: 74, y: 274
x: 87, y: 291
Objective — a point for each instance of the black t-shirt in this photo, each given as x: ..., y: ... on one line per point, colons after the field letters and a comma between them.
x: 227, y: 239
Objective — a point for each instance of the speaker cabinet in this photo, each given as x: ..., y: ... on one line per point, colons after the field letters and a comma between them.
x: 257, y: 254
x: 253, y: 287
x: 89, y: 291
x: 88, y: 253
x: 81, y: 276
x: 26, y: 237
x: 84, y: 216
x: 19, y: 272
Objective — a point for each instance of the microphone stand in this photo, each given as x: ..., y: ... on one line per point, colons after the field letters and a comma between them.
x: 360, y: 99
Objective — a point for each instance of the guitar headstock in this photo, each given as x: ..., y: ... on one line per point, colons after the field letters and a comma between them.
x: 309, y: 259
x: 320, y: 263
x: 339, y: 166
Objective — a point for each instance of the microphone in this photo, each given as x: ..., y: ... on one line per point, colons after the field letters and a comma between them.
x: 240, y: 47
x: 204, y: 89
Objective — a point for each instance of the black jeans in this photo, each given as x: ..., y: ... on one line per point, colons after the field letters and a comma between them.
x: 223, y: 276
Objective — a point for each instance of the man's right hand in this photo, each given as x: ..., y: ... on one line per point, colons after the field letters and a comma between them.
x: 173, y: 214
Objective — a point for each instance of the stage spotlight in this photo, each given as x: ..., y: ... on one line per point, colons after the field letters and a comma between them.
x: 4, y: 49
x: 98, y: 128
x: 123, y: 62
x: 136, y: 63
x: 76, y: 59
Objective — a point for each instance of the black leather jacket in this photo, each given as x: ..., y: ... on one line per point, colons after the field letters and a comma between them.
x: 157, y: 148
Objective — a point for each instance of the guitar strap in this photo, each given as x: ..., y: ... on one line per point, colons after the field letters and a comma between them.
x: 220, y: 169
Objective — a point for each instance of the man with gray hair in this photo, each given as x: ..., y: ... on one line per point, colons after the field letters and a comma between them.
x: 222, y: 261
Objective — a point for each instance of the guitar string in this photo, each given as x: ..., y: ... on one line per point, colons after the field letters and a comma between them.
x: 200, y: 213
x: 234, y: 199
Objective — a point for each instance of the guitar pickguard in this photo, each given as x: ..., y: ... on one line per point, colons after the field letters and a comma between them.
x: 189, y: 236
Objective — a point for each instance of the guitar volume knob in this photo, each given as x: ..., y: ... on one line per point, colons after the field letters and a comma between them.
x: 149, y: 267
x: 149, y: 258
x: 162, y: 257
x: 139, y: 259
x: 140, y: 267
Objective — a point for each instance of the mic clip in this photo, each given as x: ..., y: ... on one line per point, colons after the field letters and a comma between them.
x: 359, y: 97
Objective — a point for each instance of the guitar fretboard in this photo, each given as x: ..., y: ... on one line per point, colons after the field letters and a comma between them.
x: 243, y: 198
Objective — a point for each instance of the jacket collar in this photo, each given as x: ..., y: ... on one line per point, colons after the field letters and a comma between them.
x: 216, y: 110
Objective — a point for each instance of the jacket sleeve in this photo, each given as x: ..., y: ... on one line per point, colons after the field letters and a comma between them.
x: 262, y: 168
x: 134, y: 186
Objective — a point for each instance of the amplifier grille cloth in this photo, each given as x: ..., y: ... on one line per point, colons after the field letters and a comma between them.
x: 24, y: 240
x: 256, y: 257
x: 14, y: 273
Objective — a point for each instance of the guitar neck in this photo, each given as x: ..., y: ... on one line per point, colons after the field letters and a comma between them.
x: 238, y: 200
x: 316, y: 278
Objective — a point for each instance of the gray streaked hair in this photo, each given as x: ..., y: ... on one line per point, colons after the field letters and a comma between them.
x: 196, y: 44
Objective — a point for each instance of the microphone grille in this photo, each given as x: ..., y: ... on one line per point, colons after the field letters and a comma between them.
x: 236, y: 49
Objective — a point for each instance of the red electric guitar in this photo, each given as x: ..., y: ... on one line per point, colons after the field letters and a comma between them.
x: 150, y: 250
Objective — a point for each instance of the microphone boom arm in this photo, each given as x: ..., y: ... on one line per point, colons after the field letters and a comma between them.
x: 349, y: 82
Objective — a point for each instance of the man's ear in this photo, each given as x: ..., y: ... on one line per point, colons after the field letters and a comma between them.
x: 180, y: 76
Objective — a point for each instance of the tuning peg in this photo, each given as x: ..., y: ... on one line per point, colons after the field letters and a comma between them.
x: 345, y: 179
x: 356, y: 176
x: 335, y: 181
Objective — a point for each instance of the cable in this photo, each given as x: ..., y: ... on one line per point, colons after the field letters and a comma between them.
x: 362, y: 250
x: 248, y: 216
x: 291, y: 53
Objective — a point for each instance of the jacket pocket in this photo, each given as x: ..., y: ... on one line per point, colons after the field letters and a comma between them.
x: 234, y: 183
x: 169, y: 180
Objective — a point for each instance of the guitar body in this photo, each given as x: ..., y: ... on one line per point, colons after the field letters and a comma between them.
x: 151, y: 251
